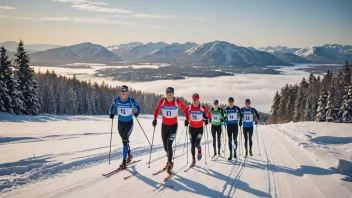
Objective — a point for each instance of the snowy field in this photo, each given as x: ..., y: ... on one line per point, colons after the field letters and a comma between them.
x: 64, y: 156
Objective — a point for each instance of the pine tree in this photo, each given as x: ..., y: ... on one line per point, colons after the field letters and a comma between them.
x: 300, y: 101
x: 27, y: 83
x: 331, y: 105
x: 275, y: 108
x: 321, y: 111
x: 284, y: 97
x: 346, y: 108
x: 6, y: 76
x: 291, y: 102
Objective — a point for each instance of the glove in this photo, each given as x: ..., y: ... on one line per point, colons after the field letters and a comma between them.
x: 222, y: 120
x: 135, y: 114
x: 240, y: 123
x: 224, y: 123
x: 186, y: 123
x: 256, y: 122
x: 154, y: 122
x: 206, y: 122
x: 112, y: 116
x: 210, y: 120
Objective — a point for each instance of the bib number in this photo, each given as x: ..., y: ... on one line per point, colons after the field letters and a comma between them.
x: 196, y: 116
x: 215, y: 118
x: 248, y: 117
x: 232, y: 116
x: 125, y: 111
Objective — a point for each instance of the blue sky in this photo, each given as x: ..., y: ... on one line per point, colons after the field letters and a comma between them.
x: 294, y: 23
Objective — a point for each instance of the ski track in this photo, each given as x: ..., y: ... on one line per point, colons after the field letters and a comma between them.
x: 282, y: 169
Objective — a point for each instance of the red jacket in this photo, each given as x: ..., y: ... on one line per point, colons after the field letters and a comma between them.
x: 196, y: 115
x: 170, y: 110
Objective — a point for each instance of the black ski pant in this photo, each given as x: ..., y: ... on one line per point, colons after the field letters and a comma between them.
x: 168, y: 135
x: 195, y: 136
x: 216, y: 130
x: 125, y: 129
x: 248, y: 133
x: 232, y: 133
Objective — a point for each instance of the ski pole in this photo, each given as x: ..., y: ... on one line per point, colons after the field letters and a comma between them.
x: 173, y: 159
x: 205, y: 147
x: 187, y: 143
x: 181, y: 135
x: 225, y: 140
x: 143, y: 130
x: 240, y: 144
x: 151, y: 148
x: 184, y: 144
x: 256, y: 128
x: 112, y: 123
x: 208, y: 141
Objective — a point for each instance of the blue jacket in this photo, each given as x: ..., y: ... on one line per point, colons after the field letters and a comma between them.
x: 125, y: 108
x: 233, y: 114
x: 248, y: 116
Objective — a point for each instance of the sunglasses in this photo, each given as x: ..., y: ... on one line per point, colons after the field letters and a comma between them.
x: 169, y: 92
x: 231, y: 101
x: 123, y: 89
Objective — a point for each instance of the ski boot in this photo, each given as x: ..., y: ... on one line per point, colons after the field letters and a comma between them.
x: 230, y: 158
x: 199, y: 154
x: 123, y: 165
x: 129, y: 158
x: 193, y: 162
x: 246, y: 154
x: 219, y: 153
x: 250, y: 152
x: 169, y: 167
x: 214, y: 154
x: 234, y: 154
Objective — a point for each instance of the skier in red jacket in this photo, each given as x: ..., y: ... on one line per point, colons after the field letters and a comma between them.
x: 196, y: 111
x: 169, y: 107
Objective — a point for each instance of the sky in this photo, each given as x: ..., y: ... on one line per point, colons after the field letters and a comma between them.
x: 257, y: 23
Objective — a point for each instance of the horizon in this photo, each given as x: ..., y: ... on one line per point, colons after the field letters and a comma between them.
x: 106, y: 22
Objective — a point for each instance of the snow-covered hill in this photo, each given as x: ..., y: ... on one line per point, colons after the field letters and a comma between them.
x: 329, y: 53
x: 30, y: 48
x: 140, y: 51
x: 64, y: 156
x: 290, y: 58
x: 220, y: 53
x: 168, y: 53
x: 80, y: 53
x: 281, y: 49
x: 123, y: 47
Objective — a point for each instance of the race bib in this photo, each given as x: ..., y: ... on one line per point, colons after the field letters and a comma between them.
x: 232, y: 116
x: 124, y: 111
x: 215, y: 118
x: 248, y: 117
x: 169, y: 112
x: 196, y: 116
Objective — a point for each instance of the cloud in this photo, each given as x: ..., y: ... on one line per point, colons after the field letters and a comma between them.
x: 96, y: 6
x: 14, y: 17
x: 3, y: 8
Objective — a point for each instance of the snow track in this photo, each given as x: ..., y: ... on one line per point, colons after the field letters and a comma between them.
x: 282, y: 169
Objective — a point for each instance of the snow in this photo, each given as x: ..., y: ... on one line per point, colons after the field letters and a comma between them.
x: 64, y: 156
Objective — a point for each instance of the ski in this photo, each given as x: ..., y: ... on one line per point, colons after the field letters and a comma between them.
x: 160, y: 171
x: 168, y: 177
x: 119, y: 169
x: 125, y: 178
x: 189, y: 168
x: 214, y: 158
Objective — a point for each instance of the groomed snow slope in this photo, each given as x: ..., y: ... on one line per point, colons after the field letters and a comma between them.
x: 64, y: 156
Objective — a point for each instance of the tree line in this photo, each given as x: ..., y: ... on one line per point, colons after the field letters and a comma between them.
x: 323, y: 100
x: 24, y: 92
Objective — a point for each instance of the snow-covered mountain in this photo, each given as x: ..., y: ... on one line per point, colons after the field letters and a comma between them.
x: 82, y: 53
x: 328, y: 53
x: 30, y: 48
x: 290, y: 58
x: 169, y: 53
x: 123, y: 47
x: 281, y: 49
x: 140, y: 51
x: 220, y: 53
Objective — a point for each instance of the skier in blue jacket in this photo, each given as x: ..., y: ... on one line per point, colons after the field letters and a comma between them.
x: 248, y: 113
x: 125, y: 109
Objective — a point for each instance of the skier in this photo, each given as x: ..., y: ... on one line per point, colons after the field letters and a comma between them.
x: 233, y: 117
x: 248, y: 119
x: 217, y: 117
x: 125, y: 105
x: 196, y: 111
x: 169, y: 107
